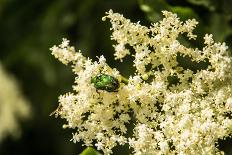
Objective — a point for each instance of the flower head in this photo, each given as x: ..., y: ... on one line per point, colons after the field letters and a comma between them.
x: 186, y: 116
x: 13, y: 105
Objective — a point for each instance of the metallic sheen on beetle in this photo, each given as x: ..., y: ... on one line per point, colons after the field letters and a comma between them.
x: 105, y: 82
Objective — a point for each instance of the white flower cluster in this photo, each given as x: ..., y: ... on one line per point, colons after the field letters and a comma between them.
x: 13, y: 105
x: 185, y: 118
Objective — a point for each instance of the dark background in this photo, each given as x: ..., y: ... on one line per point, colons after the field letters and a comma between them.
x: 28, y: 28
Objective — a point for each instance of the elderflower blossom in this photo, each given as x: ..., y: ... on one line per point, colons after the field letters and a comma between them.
x: 187, y: 117
x: 13, y: 105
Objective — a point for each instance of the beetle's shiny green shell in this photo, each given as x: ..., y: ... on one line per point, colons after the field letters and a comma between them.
x: 105, y: 82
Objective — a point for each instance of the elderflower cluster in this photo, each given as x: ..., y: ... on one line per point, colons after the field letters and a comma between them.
x: 186, y: 117
x: 13, y: 105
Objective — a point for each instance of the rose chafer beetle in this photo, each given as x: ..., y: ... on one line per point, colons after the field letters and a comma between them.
x: 105, y: 82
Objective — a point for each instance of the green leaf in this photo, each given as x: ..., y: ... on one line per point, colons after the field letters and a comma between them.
x: 226, y: 8
x: 219, y: 27
x: 206, y: 3
x: 90, y: 151
x: 153, y: 8
x: 184, y: 12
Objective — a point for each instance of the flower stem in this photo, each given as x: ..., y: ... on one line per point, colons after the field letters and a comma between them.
x: 124, y: 80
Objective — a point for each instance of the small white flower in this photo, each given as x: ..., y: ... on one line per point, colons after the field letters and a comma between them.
x: 229, y: 103
x: 208, y: 39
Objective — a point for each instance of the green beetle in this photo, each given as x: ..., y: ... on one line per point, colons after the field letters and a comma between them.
x: 105, y: 82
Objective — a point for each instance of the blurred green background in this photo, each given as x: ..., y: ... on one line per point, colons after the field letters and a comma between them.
x: 28, y: 28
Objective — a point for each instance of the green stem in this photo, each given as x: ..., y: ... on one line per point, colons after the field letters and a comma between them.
x: 124, y: 80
